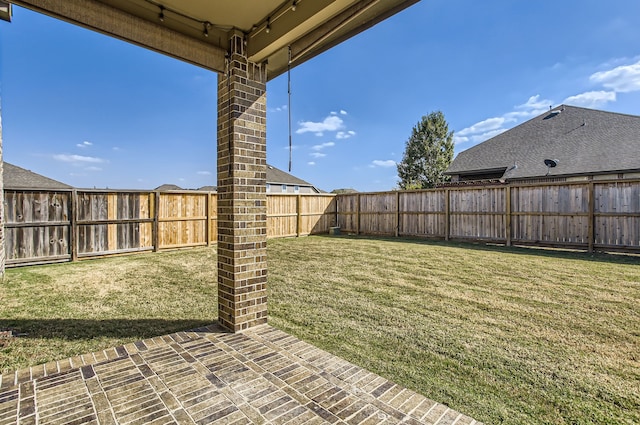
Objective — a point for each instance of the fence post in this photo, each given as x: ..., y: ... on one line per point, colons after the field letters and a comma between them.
x: 335, y: 201
x: 592, y: 206
x: 73, y: 225
x: 156, y: 228
x: 298, y: 215
x: 507, y: 212
x: 447, y: 214
x: 397, y: 213
x: 358, y: 214
x: 207, y: 221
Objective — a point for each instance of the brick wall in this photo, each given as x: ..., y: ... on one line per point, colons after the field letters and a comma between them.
x: 242, y: 199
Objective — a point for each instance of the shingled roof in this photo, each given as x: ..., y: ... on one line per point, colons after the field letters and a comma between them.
x: 168, y: 186
x: 582, y: 141
x: 19, y: 178
x: 274, y: 176
x: 277, y: 176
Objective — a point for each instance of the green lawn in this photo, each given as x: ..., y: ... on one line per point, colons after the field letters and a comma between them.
x: 505, y: 335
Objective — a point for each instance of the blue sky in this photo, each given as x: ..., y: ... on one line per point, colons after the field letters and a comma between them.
x: 92, y: 111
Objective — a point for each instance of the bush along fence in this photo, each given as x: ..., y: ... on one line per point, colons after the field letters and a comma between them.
x: 50, y: 226
x: 594, y: 215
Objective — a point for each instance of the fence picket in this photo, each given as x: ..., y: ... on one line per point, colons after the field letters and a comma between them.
x: 46, y: 226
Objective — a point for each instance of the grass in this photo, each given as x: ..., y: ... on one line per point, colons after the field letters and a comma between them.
x: 75, y: 308
x: 505, y: 335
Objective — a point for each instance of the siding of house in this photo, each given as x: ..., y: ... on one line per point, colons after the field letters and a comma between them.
x: 290, y: 188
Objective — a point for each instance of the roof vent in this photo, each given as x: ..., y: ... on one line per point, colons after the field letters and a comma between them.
x: 552, y: 114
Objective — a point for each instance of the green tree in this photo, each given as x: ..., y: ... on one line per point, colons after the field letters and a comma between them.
x: 427, y: 154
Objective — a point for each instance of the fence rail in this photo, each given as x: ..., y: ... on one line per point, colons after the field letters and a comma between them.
x: 53, y: 226
x: 603, y: 215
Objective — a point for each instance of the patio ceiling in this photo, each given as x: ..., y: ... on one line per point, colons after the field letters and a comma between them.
x: 198, y: 31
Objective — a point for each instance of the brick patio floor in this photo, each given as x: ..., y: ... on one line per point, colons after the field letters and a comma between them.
x: 260, y: 376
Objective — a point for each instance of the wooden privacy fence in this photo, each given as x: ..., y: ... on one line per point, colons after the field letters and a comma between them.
x: 300, y: 215
x: 50, y: 226
x: 603, y: 215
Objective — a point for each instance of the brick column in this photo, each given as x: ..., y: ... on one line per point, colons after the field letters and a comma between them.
x: 242, y: 197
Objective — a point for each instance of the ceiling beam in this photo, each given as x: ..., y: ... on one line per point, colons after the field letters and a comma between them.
x: 100, y: 17
x: 284, y: 25
x: 5, y: 11
x: 351, y: 21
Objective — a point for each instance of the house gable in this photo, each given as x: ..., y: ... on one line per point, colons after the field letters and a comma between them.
x: 279, y: 181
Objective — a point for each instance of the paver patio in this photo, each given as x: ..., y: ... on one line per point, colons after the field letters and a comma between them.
x: 260, y: 376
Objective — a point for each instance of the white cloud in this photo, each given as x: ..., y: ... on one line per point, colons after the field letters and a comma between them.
x: 534, y: 103
x: 84, y: 144
x: 477, y: 138
x: 483, y: 130
x: 77, y: 159
x: 204, y: 173
x: 386, y: 163
x: 318, y: 154
x: 345, y: 134
x: 591, y: 99
x: 93, y: 168
x: 483, y: 126
x: 278, y: 108
x: 330, y: 123
x: 311, y: 163
x: 343, y: 112
x: 532, y: 107
x: 621, y: 79
x: 459, y: 139
x: 322, y: 146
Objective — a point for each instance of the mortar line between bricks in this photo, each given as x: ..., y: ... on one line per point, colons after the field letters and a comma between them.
x: 429, y: 411
x: 181, y: 408
x: 103, y: 393
x: 457, y: 419
x: 442, y: 416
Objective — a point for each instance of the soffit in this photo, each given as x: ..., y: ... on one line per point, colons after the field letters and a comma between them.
x: 270, y: 27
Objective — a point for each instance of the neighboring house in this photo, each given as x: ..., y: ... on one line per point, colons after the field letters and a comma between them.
x: 18, y: 178
x: 567, y: 143
x: 166, y: 187
x: 278, y: 181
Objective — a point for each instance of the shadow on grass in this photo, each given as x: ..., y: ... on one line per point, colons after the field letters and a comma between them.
x: 86, y: 329
x: 565, y: 253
